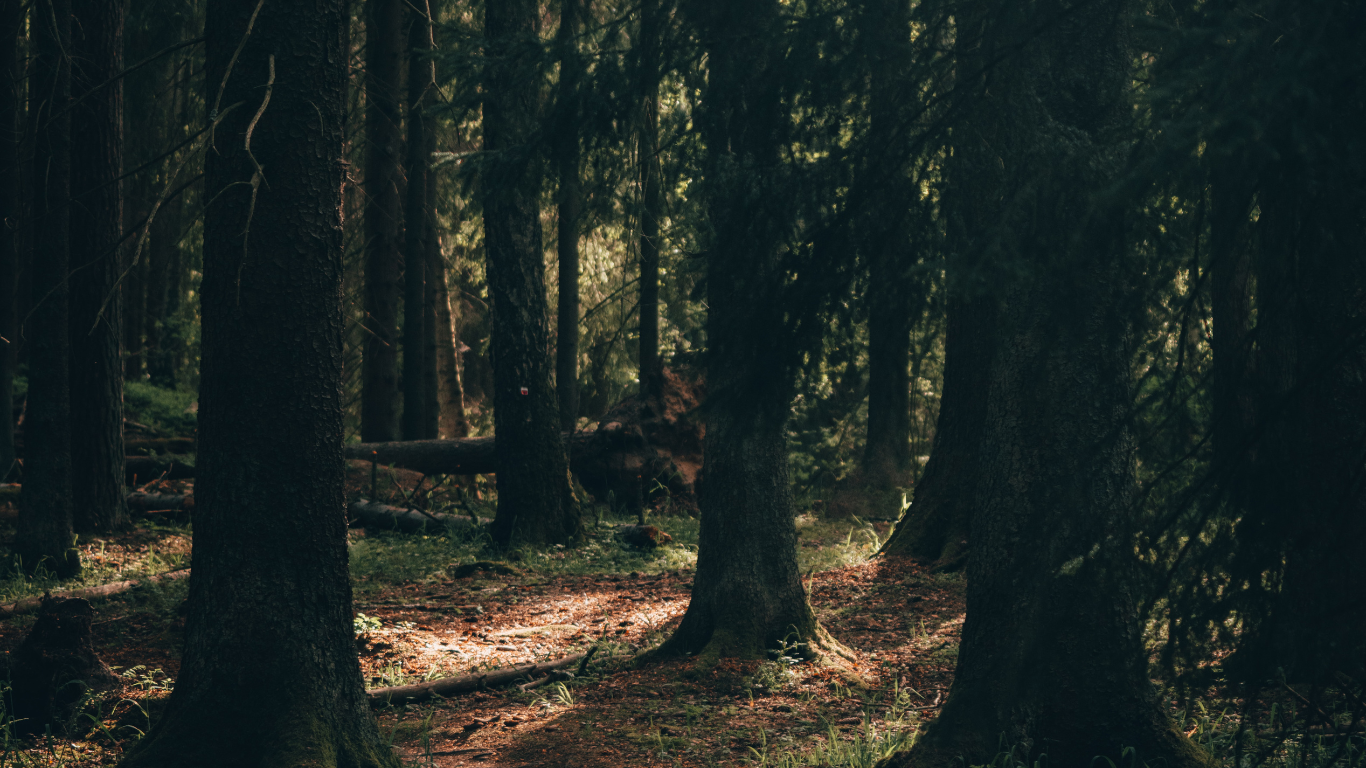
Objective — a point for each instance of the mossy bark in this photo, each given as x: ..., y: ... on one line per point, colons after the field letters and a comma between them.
x: 269, y: 675
x: 1052, y: 661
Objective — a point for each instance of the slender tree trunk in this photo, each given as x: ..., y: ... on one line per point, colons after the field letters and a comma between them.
x: 134, y: 287
x: 652, y: 198
x: 535, y: 501
x: 44, y: 530
x: 1231, y: 195
x: 383, y: 217
x: 98, y: 502
x: 570, y: 202
x: 748, y: 596
x: 420, y: 82
x: 431, y: 377
x: 453, y: 421
x: 163, y: 261
x: 269, y: 590
x: 11, y: 21
x: 1052, y: 659
x: 892, y: 293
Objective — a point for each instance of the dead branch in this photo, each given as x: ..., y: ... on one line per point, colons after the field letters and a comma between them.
x: 451, y: 686
x: 31, y: 604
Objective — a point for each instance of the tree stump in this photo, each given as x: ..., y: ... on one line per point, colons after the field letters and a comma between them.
x: 54, y: 666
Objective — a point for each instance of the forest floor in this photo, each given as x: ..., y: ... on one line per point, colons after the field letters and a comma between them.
x: 416, y: 619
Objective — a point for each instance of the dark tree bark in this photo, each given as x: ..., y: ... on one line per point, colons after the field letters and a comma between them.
x: 11, y: 20
x: 1052, y: 659
x: 162, y: 278
x: 383, y: 217
x: 1231, y: 195
x: 535, y: 501
x: 570, y: 202
x: 652, y: 198
x: 451, y: 392
x: 269, y: 589
x: 420, y: 82
x: 134, y: 289
x: 746, y: 598
x: 937, y: 525
x: 44, y: 528
x: 96, y: 315
x: 892, y: 295
x: 433, y: 295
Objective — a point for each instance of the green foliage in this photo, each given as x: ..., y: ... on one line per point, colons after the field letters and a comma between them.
x: 173, y: 411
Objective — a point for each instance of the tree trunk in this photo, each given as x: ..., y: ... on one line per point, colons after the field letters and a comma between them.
x: 748, y: 595
x: 163, y: 266
x: 269, y: 589
x: 11, y: 21
x: 134, y: 288
x: 1052, y: 659
x: 567, y: 224
x: 892, y: 292
x: 451, y: 393
x: 433, y: 295
x: 936, y: 527
x: 44, y: 529
x: 535, y: 501
x: 652, y: 198
x: 415, y: 235
x: 96, y: 315
x: 1231, y: 194
x: 383, y: 216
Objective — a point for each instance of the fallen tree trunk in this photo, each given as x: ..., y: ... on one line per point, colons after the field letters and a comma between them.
x: 135, y: 445
x: 450, y: 686
x: 407, y: 520
x: 160, y: 502
x: 31, y: 604
x: 143, y: 469
x: 467, y: 456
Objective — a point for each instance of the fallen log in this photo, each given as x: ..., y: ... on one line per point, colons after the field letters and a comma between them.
x: 466, y: 456
x: 407, y: 520
x: 160, y: 502
x: 143, y: 469
x: 135, y: 445
x: 31, y: 604
x: 451, y: 686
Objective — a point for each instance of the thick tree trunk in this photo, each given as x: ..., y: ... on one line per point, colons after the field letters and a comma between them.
x: 415, y: 234
x: 652, y: 198
x: 11, y: 20
x: 1052, y: 659
x: 535, y: 501
x: 44, y: 529
x: 96, y: 315
x: 570, y: 201
x: 269, y: 589
x: 747, y: 597
x: 452, y: 395
x: 936, y: 526
x: 379, y: 419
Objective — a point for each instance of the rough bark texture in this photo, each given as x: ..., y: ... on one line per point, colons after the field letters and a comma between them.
x: 44, y: 528
x: 269, y: 589
x: 535, y: 501
x: 652, y: 198
x: 432, y: 296
x: 10, y: 20
x: 383, y: 217
x: 1052, y: 659
x: 1231, y: 299
x: 449, y: 388
x: 415, y: 237
x: 892, y: 295
x: 570, y: 201
x: 745, y: 598
x: 937, y: 525
x: 54, y: 666
x: 96, y: 313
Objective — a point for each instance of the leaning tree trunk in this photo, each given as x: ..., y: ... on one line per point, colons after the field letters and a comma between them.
x: 535, y: 501
x: 96, y: 314
x: 269, y: 590
x: 379, y: 421
x: 1052, y: 659
x: 570, y: 201
x: 10, y: 20
x: 747, y: 596
x: 44, y: 529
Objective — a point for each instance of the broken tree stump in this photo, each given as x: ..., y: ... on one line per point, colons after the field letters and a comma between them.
x: 54, y: 666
